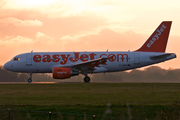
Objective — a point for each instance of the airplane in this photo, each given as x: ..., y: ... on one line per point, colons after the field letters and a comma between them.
x: 64, y: 65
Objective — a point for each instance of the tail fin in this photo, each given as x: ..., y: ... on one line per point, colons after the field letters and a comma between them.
x: 158, y: 40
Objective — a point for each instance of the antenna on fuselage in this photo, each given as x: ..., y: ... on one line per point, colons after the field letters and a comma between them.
x: 32, y: 51
x: 107, y: 50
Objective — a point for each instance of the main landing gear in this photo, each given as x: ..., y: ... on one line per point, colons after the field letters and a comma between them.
x: 30, y: 78
x: 86, y: 79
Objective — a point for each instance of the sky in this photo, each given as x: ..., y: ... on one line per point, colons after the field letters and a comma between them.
x: 85, y: 25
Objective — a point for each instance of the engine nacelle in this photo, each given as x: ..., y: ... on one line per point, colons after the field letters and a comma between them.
x: 63, y: 73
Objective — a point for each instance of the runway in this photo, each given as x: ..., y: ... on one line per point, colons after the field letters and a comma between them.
x: 83, y: 82
x: 28, y: 83
x: 56, y: 82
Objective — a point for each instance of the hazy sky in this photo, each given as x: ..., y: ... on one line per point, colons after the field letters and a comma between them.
x: 85, y: 25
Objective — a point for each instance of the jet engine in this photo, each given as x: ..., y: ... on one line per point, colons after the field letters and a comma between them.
x: 63, y: 73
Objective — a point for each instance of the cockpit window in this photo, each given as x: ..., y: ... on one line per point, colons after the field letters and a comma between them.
x: 15, y: 59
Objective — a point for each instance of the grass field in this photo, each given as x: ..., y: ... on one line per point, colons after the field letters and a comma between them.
x: 105, y: 100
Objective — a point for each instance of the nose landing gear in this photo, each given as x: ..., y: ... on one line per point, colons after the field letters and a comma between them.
x: 30, y: 78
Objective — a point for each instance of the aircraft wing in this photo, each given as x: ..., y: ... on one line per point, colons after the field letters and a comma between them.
x: 90, y: 65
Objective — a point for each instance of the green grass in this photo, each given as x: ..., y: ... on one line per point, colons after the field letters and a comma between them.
x: 146, y: 100
x: 89, y: 94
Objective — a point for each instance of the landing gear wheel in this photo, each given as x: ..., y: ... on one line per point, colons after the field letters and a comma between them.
x: 29, y: 80
x: 86, y: 79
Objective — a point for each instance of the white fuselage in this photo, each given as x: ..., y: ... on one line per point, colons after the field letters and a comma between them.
x: 43, y: 62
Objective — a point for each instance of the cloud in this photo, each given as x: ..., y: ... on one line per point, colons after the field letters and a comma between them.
x: 18, y: 22
x: 39, y: 35
x: 14, y: 40
x: 2, y: 3
x: 103, y: 40
x: 42, y: 39
x: 72, y: 25
x: 13, y: 23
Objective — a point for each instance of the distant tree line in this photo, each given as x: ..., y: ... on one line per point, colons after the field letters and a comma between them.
x: 8, y: 76
x: 150, y: 74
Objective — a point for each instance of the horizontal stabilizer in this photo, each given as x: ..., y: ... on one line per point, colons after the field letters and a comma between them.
x: 162, y: 56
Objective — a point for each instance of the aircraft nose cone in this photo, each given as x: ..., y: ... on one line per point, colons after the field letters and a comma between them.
x: 7, y: 66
